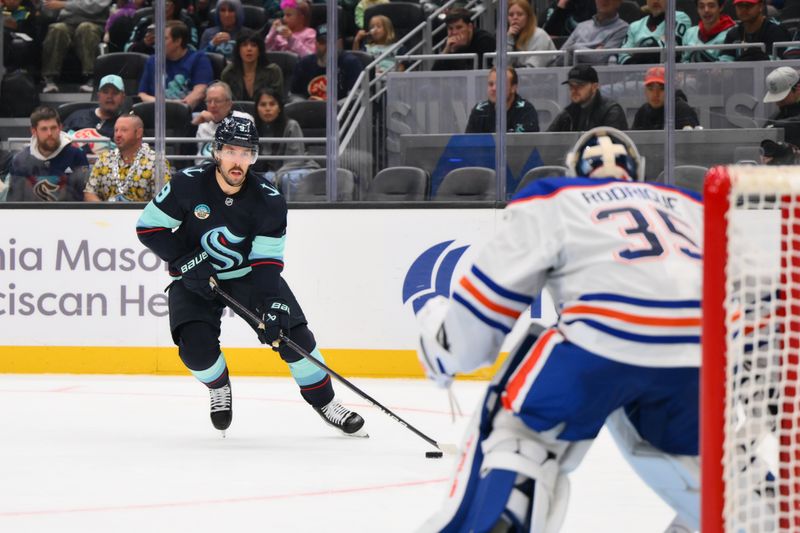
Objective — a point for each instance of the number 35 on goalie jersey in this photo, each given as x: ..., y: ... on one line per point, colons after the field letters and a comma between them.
x: 622, y: 261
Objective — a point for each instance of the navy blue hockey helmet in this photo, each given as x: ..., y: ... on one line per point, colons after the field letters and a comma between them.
x: 236, y: 131
x: 606, y: 152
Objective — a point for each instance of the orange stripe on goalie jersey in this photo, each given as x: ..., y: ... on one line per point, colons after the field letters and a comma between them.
x: 633, y: 319
x: 497, y: 308
x: 518, y: 381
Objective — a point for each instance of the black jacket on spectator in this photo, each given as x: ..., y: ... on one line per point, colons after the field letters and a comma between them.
x: 600, y: 112
x: 521, y: 117
x: 136, y: 40
x: 561, y: 22
x: 649, y: 118
x: 770, y: 32
x: 788, y: 118
x: 482, y: 42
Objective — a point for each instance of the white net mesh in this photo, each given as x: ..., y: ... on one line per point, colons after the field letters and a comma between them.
x: 761, y: 458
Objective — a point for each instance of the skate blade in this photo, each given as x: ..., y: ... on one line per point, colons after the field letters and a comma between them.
x: 361, y: 434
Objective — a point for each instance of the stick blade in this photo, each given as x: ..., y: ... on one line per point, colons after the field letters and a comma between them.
x: 449, y: 449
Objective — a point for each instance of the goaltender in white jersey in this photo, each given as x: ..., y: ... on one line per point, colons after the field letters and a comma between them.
x: 622, y: 261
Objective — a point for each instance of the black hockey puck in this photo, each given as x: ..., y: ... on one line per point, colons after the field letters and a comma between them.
x: 434, y: 455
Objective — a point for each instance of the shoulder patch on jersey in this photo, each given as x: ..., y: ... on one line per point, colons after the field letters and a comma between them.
x: 202, y: 211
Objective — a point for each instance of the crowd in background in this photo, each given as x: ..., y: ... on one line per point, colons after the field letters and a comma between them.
x: 221, y: 59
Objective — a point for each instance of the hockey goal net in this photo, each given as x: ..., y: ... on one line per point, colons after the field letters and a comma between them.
x: 750, y: 405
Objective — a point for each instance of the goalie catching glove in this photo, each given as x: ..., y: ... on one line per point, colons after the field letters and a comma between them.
x: 195, y: 270
x: 276, y: 322
x: 439, y: 364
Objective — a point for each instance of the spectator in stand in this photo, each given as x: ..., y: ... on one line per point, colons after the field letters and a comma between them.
x: 783, y: 90
x: 249, y: 69
x: 79, y: 26
x: 377, y: 40
x: 291, y: 33
x: 589, y: 108
x: 119, y: 24
x: 521, y: 116
x: 464, y: 38
x: 651, y: 115
x: 188, y: 72
x: 753, y: 27
x: 228, y: 20
x: 271, y: 121
x: 778, y: 153
x: 361, y: 7
x: 17, y: 17
x: 51, y: 168
x: 143, y: 37
x: 126, y: 173
x: 712, y: 29
x: 649, y: 32
x: 563, y: 16
x: 309, y: 80
x: 525, y: 36
x: 99, y: 121
x: 272, y: 9
x: 17, y: 21
x: 604, y: 30
x: 219, y: 105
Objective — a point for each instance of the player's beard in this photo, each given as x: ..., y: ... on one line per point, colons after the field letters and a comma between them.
x: 233, y: 181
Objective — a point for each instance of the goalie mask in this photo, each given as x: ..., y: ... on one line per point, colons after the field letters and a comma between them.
x: 605, y: 152
x: 237, y: 131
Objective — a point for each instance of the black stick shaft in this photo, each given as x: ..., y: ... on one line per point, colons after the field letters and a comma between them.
x: 246, y: 313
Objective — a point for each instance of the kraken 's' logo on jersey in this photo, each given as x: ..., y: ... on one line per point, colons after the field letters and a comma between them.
x: 45, y: 190
x: 217, y: 243
x: 431, y: 273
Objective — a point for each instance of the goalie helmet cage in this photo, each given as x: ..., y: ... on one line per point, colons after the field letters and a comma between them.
x: 750, y: 406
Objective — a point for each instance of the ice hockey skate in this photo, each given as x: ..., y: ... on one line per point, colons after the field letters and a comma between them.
x: 222, y: 407
x: 337, y: 415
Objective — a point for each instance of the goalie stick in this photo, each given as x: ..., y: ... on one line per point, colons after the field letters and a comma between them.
x: 244, y: 312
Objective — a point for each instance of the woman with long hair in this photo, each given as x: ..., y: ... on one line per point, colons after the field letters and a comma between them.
x: 271, y: 121
x: 525, y: 36
x: 250, y: 70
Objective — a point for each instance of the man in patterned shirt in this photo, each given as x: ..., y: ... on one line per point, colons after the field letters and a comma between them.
x: 125, y: 174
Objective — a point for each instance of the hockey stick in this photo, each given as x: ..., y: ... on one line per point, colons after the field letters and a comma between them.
x: 450, y: 449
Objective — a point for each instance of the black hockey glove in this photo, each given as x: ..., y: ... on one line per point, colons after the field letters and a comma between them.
x: 195, y: 270
x: 276, y: 321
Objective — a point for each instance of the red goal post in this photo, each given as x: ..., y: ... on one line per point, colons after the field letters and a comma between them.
x: 750, y: 406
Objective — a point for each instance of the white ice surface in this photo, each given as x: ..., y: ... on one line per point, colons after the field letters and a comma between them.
x: 138, y: 454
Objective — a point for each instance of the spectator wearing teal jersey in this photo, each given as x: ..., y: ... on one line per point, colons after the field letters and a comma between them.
x: 649, y: 32
x: 712, y: 29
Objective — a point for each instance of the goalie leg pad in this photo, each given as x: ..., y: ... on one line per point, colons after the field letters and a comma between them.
x: 675, y: 478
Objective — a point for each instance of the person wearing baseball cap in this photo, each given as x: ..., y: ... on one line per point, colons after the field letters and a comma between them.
x: 589, y: 108
x: 783, y: 89
x: 754, y: 27
x: 91, y: 123
x: 651, y: 115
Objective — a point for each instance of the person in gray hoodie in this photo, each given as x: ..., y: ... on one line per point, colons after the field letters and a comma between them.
x: 604, y: 30
x: 80, y: 26
x: 221, y: 38
x: 50, y: 169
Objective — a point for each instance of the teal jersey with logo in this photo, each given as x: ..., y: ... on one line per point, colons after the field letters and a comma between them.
x: 641, y: 36
x: 244, y: 233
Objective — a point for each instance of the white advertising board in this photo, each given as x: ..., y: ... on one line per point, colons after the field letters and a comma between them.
x: 81, y: 277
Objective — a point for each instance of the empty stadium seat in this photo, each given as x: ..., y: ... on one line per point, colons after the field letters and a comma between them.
x: 313, y: 187
x: 547, y: 171
x: 127, y: 65
x: 286, y: 61
x: 218, y: 63
x: 689, y: 177
x: 468, y: 184
x: 245, y: 106
x: 399, y: 184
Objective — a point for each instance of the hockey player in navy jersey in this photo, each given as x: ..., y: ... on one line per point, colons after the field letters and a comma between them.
x: 622, y: 262
x: 222, y: 221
